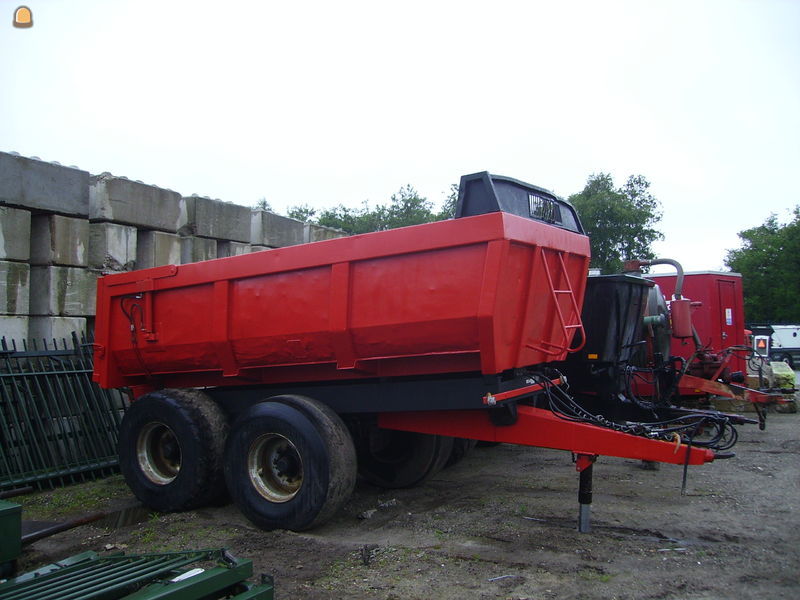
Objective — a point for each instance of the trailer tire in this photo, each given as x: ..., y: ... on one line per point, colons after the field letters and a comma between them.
x: 403, y: 458
x: 171, y: 445
x: 339, y: 442
x: 461, y: 447
x: 282, y: 470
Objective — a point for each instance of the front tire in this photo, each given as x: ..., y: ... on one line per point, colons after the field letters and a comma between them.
x: 170, y: 449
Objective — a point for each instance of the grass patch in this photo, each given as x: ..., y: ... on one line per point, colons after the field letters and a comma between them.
x: 593, y: 575
x: 82, y: 498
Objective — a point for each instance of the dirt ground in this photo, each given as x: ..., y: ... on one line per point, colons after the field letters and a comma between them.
x: 502, y: 524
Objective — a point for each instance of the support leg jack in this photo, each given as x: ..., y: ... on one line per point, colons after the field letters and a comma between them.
x: 584, y: 464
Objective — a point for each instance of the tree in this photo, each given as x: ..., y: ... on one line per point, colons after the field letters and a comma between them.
x: 263, y: 204
x: 769, y: 261
x: 352, y: 220
x: 406, y: 207
x: 302, y: 212
x: 620, y: 222
x: 449, y: 207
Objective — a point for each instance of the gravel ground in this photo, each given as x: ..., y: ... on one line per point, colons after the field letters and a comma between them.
x: 501, y: 524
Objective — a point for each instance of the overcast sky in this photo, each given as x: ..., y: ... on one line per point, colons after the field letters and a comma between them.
x: 339, y: 102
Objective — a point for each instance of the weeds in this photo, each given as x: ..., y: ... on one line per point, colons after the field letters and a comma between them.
x: 88, y: 497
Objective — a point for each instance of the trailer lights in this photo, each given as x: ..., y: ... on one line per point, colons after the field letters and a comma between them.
x: 543, y: 208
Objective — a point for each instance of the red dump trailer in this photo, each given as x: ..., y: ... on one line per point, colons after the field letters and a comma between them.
x: 281, y: 373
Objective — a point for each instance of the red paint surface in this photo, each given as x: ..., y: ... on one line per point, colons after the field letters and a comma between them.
x: 463, y: 295
x: 717, y: 293
x: 541, y: 428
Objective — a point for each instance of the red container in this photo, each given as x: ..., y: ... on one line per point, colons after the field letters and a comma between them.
x: 719, y: 320
x: 681, y: 315
x: 478, y: 293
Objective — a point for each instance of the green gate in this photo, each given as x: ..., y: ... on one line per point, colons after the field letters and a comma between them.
x: 56, y: 426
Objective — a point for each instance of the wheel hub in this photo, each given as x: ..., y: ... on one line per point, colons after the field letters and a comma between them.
x: 275, y: 467
x: 158, y: 453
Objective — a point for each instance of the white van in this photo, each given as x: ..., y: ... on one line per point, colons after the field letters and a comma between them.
x: 785, y: 344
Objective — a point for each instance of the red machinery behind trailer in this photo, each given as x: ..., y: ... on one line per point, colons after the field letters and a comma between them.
x: 717, y: 302
x: 718, y: 310
x: 369, y: 352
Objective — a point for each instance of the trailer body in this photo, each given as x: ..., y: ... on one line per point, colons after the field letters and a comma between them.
x: 486, y: 294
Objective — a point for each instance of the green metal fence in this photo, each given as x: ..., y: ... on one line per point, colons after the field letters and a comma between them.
x: 56, y: 425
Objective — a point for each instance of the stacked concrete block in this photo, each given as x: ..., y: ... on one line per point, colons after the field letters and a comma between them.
x: 51, y: 206
x: 15, y: 247
x: 55, y: 328
x: 63, y: 291
x: 15, y: 234
x: 63, y: 288
x: 274, y: 231
x: 13, y: 327
x: 14, y: 292
x: 156, y: 248
x: 217, y: 229
x: 120, y: 200
x: 318, y: 233
x: 112, y: 247
x: 227, y: 248
x: 41, y: 186
x: 218, y: 220
x: 57, y: 240
x: 14, y: 288
x: 195, y: 249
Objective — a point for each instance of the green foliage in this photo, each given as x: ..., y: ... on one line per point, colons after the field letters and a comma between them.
x: 303, y: 212
x: 263, y: 204
x: 449, y: 207
x: 620, y: 222
x: 405, y: 208
x: 769, y: 261
x: 353, y: 220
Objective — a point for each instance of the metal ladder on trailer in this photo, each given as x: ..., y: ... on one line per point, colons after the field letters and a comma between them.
x: 572, y: 321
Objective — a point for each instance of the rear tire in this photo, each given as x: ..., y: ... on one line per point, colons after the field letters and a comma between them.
x: 171, y: 446
x: 400, y: 459
x: 287, y: 465
x: 461, y: 447
x: 337, y: 438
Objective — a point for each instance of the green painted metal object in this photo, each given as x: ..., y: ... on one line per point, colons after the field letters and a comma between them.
x: 10, y: 534
x: 89, y: 576
x: 56, y: 426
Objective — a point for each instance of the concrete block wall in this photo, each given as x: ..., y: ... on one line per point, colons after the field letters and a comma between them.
x: 14, y: 287
x: 62, y: 228
x: 15, y: 230
x: 112, y: 247
x: 273, y: 231
x: 58, y: 240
